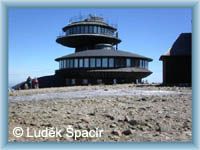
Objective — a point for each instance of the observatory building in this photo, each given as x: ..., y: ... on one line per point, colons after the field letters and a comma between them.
x: 96, y: 58
x: 177, y: 61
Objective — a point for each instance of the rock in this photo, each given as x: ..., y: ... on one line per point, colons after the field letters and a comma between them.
x: 188, y: 133
x: 158, y: 128
x: 127, y: 118
x: 62, y: 131
x: 32, y: 124
x: 142, y: 109
x: 155, y: 100
x: 80, y: 126
x: 186, y: 126
x: 189, y: 120
x: 85, y: 118
x: 133, y: 122
x: 113, y: 125
x: 91, y: 114
x: 109, y: 116
x: 68, y: 112
x: 167, y: 116
x: 46, y: 125
x: 54, y: 109
x: 127, y: 132
x: 142, y: 99
x: 116, y: 132
x: 130, y: 121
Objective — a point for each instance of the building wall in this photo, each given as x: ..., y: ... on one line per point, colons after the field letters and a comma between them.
x: 177, y: 70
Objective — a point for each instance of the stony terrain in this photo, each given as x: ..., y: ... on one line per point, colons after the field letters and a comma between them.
x: 125, y: 112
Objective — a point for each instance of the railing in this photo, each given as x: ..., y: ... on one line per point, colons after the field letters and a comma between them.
x: 64, y: 34
x: 91, y: 17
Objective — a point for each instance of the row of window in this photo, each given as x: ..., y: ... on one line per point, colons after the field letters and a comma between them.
x: 102, y: 63
x: 82, y: 29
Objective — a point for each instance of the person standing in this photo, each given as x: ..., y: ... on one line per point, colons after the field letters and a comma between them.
x: 29, y: 82
x: 35, y: 83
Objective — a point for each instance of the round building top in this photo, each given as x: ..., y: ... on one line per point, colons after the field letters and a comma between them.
x: 90, y: 20
x: 182, y: 46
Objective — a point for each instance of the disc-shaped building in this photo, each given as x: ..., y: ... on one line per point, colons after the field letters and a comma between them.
x: 96, y: 58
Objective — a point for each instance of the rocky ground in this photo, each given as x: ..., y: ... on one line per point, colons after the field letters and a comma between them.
x: 125, y: 112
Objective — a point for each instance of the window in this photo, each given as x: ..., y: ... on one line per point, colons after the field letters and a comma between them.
x: 67, y: 32
x: 64, y: 64
x: 98, y: 62
x: 72, y: 30
x: 77, y: 29
x: 86, y: 29
x: 67, y: 63
x: 121, y: 62
x: 75, y: 63
x: 86, y: 62
x: 146, y: 64
x: 98, y: 29
x: 117, y: 62
x: 111, y: 32
x: 59, y: 64
x: 81, y: 62
x: 105, y: 62
x: 143, y: 64
x: 140, y: 63
x: 106, y: 31
x: 111, y: 62
x: 82, y: 29
x: 90, y: 29
x: 71, y: 63
x: 92, y: 62
x: 102, y: 30
x: 95, y: 29
x: 128, y: 62
x: 136, y: 63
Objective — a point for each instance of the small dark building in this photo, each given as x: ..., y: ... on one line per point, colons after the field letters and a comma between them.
x: 97, y: 58
x: 177, y: 61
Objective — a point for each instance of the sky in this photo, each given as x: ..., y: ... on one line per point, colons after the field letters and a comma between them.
x: 32, y: 32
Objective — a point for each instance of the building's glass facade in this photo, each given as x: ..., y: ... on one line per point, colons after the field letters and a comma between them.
x: 90, y: 29
x: 104, y: 62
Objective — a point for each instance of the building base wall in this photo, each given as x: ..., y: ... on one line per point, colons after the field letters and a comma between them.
x: 86, y: 77
x: 177, y: 70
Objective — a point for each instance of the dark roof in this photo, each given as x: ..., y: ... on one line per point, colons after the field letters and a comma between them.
x: 181, y: 47
x: 103, y: 53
